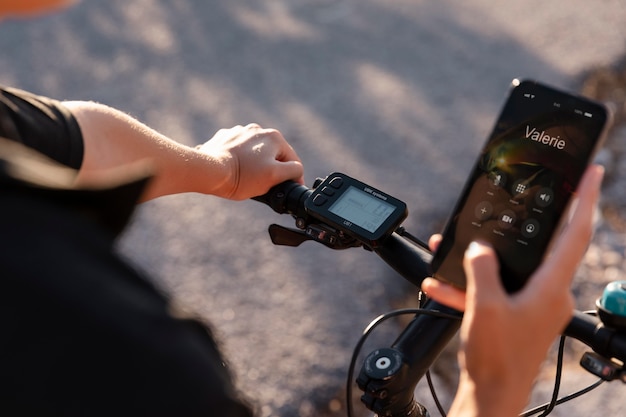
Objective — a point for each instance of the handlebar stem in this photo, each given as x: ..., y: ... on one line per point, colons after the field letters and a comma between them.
x: 389, y: 376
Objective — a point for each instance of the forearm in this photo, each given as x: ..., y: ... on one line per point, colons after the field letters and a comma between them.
x: 490, y: 399
x: 113, y: 139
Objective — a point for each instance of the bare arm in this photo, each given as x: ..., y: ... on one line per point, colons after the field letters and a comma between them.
x: 237, y: 163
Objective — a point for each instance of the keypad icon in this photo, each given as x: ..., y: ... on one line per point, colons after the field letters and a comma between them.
x: 520, y: 187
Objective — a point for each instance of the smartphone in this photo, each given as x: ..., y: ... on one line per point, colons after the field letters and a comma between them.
x: 523, y: 181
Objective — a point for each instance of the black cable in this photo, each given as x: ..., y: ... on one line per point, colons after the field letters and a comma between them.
x: 581, y: 392
x: 565, y: 399
x: 402, y: 232
x: 545, y: 408
x: 549, y: 407
x: 369, y: 329
x: 434, y: 394
x: 557, y: 378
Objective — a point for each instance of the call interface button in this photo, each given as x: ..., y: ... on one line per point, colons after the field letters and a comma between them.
x: 506, y: 219
x: 530, y: 228
x: 544, y: 197
x: 483, y: 210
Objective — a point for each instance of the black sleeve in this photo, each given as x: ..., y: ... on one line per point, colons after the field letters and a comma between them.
x: 84, y: 334
x: 41, y: 123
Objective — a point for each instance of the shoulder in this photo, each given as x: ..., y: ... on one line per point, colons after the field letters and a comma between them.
x: 41, y: 123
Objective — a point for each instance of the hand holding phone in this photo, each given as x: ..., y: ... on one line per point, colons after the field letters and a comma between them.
x: 522, y: 182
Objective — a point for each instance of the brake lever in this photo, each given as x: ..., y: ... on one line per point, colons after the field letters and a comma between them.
x: 323, y: 234
x: 607, y: 369
x: 285, y: 236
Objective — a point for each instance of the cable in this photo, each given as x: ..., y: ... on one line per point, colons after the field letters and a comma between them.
x: 565, y: 399
x: 402, y: 232
x: 557, y: 378
x: 549, y: 407
x: 368, y: 330
x: 434, y: 394
x: 581, y: 392
x: 546, y: 409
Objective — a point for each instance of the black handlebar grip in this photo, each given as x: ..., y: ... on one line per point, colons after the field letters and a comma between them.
x: 286, y: 198
x: 605, y: 341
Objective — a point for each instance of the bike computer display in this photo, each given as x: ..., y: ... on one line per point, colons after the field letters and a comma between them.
x: 361, y: 211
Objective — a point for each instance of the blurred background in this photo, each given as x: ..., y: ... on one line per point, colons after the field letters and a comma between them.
x: 399, y: 94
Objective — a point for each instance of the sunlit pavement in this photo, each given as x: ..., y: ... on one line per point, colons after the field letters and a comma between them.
x: 398, y: 94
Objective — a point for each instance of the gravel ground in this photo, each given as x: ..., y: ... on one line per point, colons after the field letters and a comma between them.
x: 605, y: 260
x: 398, y: 94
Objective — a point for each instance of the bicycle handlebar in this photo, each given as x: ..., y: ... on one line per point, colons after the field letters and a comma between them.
x: 389, y: 375
x: 286, y: 198
x: 408, y: 260
x: 605, y: 341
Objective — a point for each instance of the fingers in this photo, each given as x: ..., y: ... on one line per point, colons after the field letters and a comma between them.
x: 290, y: 170
x: 256, y: 159
x: 290, y: 163
x: 434, y: 241
x: 255, y: 145
x: 444, y: 293
x: 483, y: 280
x: 440, y: 291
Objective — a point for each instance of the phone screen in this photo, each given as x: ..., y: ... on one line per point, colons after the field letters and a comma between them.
x: 522, y: 182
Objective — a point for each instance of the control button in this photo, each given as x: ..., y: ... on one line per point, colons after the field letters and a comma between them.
x: 336, y: 182
x: 497, y: 178
x: 530, y: 228
x: 319, y: 200
x: 544, y: 197
x: 506, y: 219
x: 328, y: 191
x: 520, y: 187
x: 483, y: 210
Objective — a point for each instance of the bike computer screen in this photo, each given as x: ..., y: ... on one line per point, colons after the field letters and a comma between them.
x: 367, y: 214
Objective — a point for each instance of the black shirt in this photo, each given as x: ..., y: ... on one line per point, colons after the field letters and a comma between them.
x: 81, y: 332
x: 42, y: 124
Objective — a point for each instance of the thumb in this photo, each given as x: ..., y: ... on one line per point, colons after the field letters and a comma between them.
x: 483, y: 275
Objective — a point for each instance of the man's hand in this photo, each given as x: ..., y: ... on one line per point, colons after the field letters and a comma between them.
x: 258, y: 159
